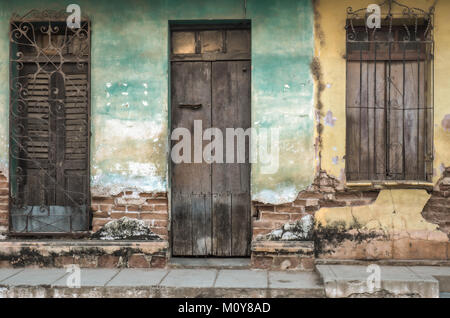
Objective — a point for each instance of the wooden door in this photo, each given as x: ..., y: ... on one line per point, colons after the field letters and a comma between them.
x: 211, y: 201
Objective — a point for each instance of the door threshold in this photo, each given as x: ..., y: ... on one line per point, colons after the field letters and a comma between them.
x: 227, y: 263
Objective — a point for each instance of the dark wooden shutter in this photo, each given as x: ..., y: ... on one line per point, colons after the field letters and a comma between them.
x: 49, y: 129
x: 389, y: 109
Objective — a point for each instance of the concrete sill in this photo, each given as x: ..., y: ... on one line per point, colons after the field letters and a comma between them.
x: 283, y: 247
x: 381, y: 185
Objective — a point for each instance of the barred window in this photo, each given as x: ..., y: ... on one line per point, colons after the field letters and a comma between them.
x: 49, y: 124
x: 389, y: 101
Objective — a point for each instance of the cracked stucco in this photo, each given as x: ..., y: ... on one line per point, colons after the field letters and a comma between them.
x: 395, y: 213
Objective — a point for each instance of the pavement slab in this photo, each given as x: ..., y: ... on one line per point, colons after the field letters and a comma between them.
x: 35, y: 277
x: 294, y: 280
x: 9, y: 272
x: 230, y: 278
x: 138, y: 277
x: 90, y: 277
x: 395, y: 281
x: 197, y: 278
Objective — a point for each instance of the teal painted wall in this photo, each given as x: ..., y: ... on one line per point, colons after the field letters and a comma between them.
x: 129, y: 147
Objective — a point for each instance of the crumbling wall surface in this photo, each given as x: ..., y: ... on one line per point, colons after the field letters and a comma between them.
x: 85, y: 253
x: 326, y: 191
x: 437, y: 210
x: 390, y: 228
x: 152, y: 208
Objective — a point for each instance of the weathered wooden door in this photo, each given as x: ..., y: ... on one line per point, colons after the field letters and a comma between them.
x: 210, y: 77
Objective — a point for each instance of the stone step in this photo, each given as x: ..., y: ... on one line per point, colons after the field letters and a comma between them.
x: 342, y: 281
x: 218, y: 263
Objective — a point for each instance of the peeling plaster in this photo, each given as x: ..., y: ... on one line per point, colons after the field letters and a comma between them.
x: 329, y: 119
x: 395, y: 212
x: 446, y: 123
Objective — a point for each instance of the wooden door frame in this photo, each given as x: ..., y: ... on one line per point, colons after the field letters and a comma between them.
x: 190, y: 26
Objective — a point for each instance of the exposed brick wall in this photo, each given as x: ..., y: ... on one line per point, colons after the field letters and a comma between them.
x: 325, y: 192
x: 4, y: 214
x: 152, y: 208
x: 437, y: 210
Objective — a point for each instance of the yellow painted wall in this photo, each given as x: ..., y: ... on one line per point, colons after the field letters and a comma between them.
x: 394, y: 210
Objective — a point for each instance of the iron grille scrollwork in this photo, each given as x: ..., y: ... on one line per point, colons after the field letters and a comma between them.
x: 390, y: 94
x: 49, y: 123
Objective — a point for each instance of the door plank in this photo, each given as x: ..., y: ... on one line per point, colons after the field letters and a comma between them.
x: 231, y: 109
x: 181, y: 225
x: 191, y: 182
x: 201, y: 220
x: 222, y: 224
x: 240, y: 224
x: 396, y: 118
x: 353, y: 122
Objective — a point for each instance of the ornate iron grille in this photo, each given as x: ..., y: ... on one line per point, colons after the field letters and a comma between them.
x: 49, y: 124
x: 389, y: 99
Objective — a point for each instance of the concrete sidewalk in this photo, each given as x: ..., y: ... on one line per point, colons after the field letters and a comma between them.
x: 334, y: 281
x: 160, y: 283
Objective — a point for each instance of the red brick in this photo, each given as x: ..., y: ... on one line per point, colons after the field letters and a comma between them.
x: 138, y: 261
x: 100, y: 214
x: 153, y: 216
x: 312, y: 208
x: 105, y: 207
x: 61, y: 261
x: 4, y: 192
x: 296, y: 216
x: 86, y: 261
x: 267, y: 208
x: 274, y: 216
x: 108, y: 261
x: 158, y: 262
x: 97, y: 224
x: 133, y: 208
x: 118, y: 208
x: 257, y: 232
x: 310, y: 195
x: 160, y: 207
x: 146, y: 195
x: 264, y: 224
x: 307, y: 263
x: 344, y: 196
x: 331, y: 204
x: 160, y: 223
x: 288, y: 208
x: 118, y: 215
x: 157, y: 201
x: 102, y: 200
x: 146, y: 208
x: 160, y: 230
x: 262, y: 262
